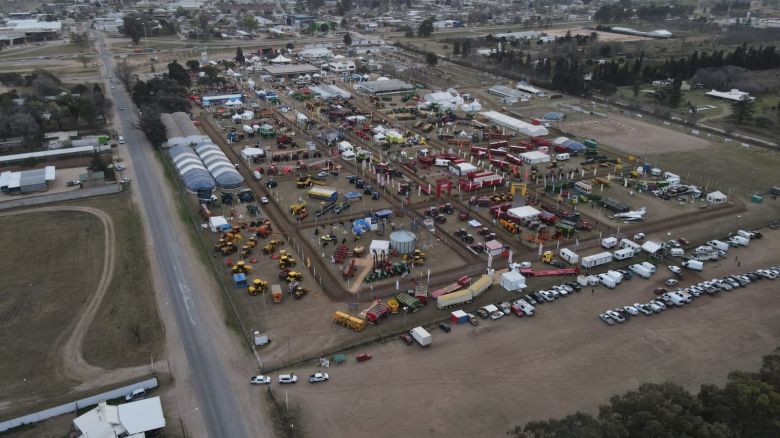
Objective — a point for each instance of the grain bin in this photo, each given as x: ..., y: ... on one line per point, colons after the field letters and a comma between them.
x: 402, y: 241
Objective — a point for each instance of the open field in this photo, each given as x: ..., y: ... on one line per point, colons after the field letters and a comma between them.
x: 54, y: 48
x: 602, y: 36
x: 636, y: 137
x: 95, y: 266
x: 53, y: 269
x: 560, y: 361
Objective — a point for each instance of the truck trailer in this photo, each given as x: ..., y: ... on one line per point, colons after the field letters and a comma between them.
x: 594, y: 260
x: 324, y: 193
x: 640, y: 271
x: 421, y: 336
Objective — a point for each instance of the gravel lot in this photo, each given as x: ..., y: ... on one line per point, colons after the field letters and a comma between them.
x: 560, y: 361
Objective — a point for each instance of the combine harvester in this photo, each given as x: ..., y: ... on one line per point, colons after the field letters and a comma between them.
x: 465, y: 295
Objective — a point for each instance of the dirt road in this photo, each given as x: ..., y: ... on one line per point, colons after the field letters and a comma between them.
x: 560, y: 361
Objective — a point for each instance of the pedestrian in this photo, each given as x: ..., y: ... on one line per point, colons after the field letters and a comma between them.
x: 592, y: 291
x: 739, y: 263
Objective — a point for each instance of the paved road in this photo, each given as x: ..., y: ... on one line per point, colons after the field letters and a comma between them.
x: 217, y: 403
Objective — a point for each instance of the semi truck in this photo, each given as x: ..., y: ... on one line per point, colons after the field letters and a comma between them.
x: 421, y: 335
x: 454, y: 298
x: 594, y: 260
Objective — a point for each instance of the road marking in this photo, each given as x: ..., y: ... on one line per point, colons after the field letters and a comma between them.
x: 186, y: 294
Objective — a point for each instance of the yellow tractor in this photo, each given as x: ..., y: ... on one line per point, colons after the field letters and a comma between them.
x: 297, y: 207
x: 241, y: 268
x: 303, y: 182
x: 270, y: 247
x: 547, y: 257
x: 258, y: 286
x: 285, y: 260
x: 294, y: 276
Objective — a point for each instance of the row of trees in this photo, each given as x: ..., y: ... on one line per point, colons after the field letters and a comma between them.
x: 747, y: 406
x: 165, y: 94
x: 142, y: 25
x: 622, y: 11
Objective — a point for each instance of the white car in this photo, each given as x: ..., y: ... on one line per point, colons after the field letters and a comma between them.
x: 631, y: 310
x: 120, y: 167
x: 260, y: 380
x: 675, y: 269
x: 288, y: 378
x: 495, y: 316
x: 137, y: 394
x: 319, y: 377
x: 264, y: 200
x: 671, y: 282
x: 639, y: 236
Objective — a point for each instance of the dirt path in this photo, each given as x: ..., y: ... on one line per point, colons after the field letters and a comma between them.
x: 68, y: 347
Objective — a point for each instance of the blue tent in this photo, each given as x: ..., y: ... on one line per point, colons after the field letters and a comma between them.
x: 574, y: 146
x: 360, y: 226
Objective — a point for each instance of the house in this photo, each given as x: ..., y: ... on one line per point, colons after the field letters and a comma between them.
x: 300, y: 21
x: 340, y: 66
x: 130, y: 419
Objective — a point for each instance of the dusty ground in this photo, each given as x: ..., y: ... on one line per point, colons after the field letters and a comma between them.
x: 99, y: 348
x: 36, y: 309
x: 562, y: 360
x: 636, y: 137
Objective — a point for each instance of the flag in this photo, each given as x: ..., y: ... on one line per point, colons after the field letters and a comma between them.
x: 490, y: 260
x: 510, y: 256
x: 429, y: 275
x: 541, y: 249
x: 308, y: 262
x: 397, y: 286
x: 558, y: 245
x: 576, y: 243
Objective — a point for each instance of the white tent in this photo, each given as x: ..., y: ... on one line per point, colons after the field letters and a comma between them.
x: 514, y: 124
x: 280, y: 60
x: 218, y: 223
x: 717, y: 197
x: 651, y: 247
x: 512, y: 281
x: 250, y: 153
x: 524, y: 212
x: 379, y: 247
x: 472, y: 107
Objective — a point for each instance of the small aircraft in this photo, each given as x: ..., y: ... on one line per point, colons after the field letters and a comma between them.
x: 632, y: 216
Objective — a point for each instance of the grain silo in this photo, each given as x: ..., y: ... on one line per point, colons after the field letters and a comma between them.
x: 402, y: 241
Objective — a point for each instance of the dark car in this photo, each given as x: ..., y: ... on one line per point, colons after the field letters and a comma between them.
x: 271, y: 183
x: 406, y: 338
x: 482, y: 313
x: 445, y: 327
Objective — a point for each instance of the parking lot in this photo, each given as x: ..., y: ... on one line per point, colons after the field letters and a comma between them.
x: 559, y: 361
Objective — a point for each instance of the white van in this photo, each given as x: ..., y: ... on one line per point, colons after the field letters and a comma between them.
x: 121, y: 140
x: 609, y: 242
x: 348, y: 155
x: 723, y: 246
x: 746, y: 234
x: 562, y: 157
x: 345, y: 146
x: 649, y: 266
x: 739, y: 240
x: 676, y: 252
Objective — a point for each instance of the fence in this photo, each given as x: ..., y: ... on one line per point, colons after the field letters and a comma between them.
x: 62, y: 196
x: 76, y: 405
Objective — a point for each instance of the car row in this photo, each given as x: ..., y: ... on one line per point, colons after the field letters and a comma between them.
x: 678, y: 298
x: 288, y: 379
x: 555, y: 292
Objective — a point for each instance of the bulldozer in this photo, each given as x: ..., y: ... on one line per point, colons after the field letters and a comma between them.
x: 270, y: 247
x: 258, y: 286
x: 286, y: 261
x: 296, y: 208
x: 303, y: 182
x: 241, y: 268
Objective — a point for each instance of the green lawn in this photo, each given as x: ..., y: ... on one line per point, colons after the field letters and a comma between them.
x: 45, y: 50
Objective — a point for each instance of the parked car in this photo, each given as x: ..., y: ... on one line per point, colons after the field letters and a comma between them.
x: 264, y: 200
x: 639, y: 236
x: 631, y: 310
x: 73, y: 182
x: 319, y: 377
x: 675, y: 269
x: 445, y: 327
x: 495, y: 316
x: 288, y: 378
x: 606, y: 319
x: 271, y: 183
x: 616, y: 316
x: 136, y: 394
x: 643, y: 309
x: 260, y: 380
x: 473, y: 319
x: 362, y: 357
x: 406, y: 338
x: 120, y: 167
x: 672, y: 281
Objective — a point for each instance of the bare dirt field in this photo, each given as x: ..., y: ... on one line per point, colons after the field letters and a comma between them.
x: 562, y: 360
x: 88, y: 274
x: 602, y: 36
x: 636, y: 137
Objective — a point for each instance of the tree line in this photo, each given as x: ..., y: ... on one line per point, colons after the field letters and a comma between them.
x: 747, y: 406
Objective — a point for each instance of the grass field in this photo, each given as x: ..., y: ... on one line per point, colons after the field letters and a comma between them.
x: 50, y: 266
x: 129, y: 307
x: 45, y: 50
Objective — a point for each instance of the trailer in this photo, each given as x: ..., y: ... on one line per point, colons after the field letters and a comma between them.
x: 409, y: 301
x: 569, y: 255
x: 454, y: 298
x: 324, y: 193
x: 375, y: 312
x: 607, y: 281
x: 625, y: 243
x: 276, y: 293
x: 529, y: 272
x: 623, y: 254
x: 594, y: 260
x: 421, y: 336
x: 481, y: 285
x: 609, y: 242
x: 461, y: 282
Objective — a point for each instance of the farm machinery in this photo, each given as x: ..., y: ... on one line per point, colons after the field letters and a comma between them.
x: 286, y: 260
x: 270, y: 247
x: 417, y: 258
x: 257, y: 287
x: 384, y: 267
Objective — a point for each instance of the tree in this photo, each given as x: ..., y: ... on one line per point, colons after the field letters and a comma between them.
x: 347, y: 39
x: 83, y: 59
x: 151, y: 125
x: 179, y: 74
x: 742, y: 110
x: 203, y: 22
x: 456, y: 48
x: 465, y: 48
x: 133, y: 27
x: 324, y: 28
x: 431, y: 58
x: 426, y: 28
x: 240, y: 55
x: 193, y: 65
x: 249, y: 22
x: 79, y: 39
x: 123, y: 73
x: 675, y: 95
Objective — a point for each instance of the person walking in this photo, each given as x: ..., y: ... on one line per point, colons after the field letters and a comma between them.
x: 592, y: 291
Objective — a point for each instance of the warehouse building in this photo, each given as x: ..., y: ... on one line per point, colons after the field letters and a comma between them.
x: 514, y: 124
x: 219, y: 166
x: 383, y: 87
x: 614, y: 205
x: 289, y: 71
x: 26, y: 181
x: 191, y: 169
